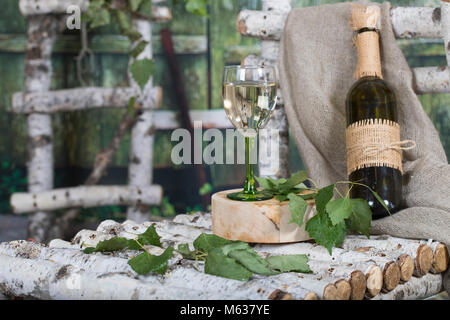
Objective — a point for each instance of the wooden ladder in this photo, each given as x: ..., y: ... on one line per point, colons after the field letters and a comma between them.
x: 46, y: 19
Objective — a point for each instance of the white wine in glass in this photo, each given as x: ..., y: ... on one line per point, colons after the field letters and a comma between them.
x: 249, y: 97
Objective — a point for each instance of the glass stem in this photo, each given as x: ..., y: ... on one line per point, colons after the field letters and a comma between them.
x: 249, y: 186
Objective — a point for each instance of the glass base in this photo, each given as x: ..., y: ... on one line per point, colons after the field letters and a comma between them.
x: 256, y: 196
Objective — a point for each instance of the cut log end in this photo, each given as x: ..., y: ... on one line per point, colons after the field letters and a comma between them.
x: 424, y: 260
x: 280, y: 295
x: 311, y: 296
x: 344, y: 289
x: 406, y: 264
x: 440, y: 259
x: 374, y: 281
x: 358, y: 285
x: 330, y: 292
x: 391, y: 276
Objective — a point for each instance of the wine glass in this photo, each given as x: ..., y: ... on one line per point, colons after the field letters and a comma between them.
x: 249, y: 96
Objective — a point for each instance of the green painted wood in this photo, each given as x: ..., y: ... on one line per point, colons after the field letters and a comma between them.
x: 184, y: 44
x: 79, y: 135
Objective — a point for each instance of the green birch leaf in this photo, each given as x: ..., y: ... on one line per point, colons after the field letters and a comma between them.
x: 294, y: 180
x: 150, y: 237
x: 252, y: 261
x: 220, y: 265
x: 142, y: 70
x: 134, y: 4
x: 238, y: 245
x: 99, y: 17
x: 138, y: 48
x: 322, y: 230
x: 197, y: 7
x: 281, y: 197
x: 380, y: 201
x: 361, y: 217
x: 146, y: 263
x: 264, y: 183
x: 110, y: 245
x: 131, y: 106
x: 288, y: 263
x: 146, y: 8
x: 323, y: 197
x: 297, y: 208
x: 186, y: 252
x: 123, y: 19
x: 339, y: 210
x: 206, y: 242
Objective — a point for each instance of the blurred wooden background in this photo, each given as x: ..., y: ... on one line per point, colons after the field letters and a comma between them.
x: 203, y: 47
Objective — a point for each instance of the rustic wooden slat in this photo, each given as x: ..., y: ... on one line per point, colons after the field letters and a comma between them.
x: 115, y: 44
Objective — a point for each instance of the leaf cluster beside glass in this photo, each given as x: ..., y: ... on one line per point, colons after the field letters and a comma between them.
x: 225, y: 258
x: 334, y: 218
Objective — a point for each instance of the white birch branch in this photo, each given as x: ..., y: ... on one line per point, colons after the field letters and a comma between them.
x: 82, y: 99
x: 416, y: 288
x: 419, y: 251
x: 407, y: 22
x: 445, y: 28
x: 62, y: 271
x: 140, y: 167
x: 278, y: 120
x: 85, y: 196
x: 41, y: 35
x: 431, y: 80
x: 416, y: 22
x: 41, y: 7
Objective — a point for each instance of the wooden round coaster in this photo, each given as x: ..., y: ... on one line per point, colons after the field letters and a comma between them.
x: 257, y: 221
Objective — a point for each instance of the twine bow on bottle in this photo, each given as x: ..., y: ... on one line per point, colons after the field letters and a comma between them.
x: 372, y: 149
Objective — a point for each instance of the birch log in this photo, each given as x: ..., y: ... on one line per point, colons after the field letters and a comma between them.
x: 440, y: 257
x: 41, y: 34
x: 140, y: 169
x: 338, y: 272
x: 420, y: 252
x: 277, y: 129
x: 374, y: 269
x: 195, y: 284
x: 173, y: 233
x: 86, y: 197
x: 416, y: 288
x: 62, y: 271
x: 445, y: 28
x: 407, y: 22
x: 83, y: 99
x: 42, y: 7
x: 431, y: 80
x: 419, y: 22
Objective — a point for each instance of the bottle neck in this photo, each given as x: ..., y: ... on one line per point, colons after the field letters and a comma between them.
x: 367, y: 43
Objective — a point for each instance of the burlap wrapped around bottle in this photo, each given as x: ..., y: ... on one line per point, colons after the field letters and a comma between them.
x: 316, y: 65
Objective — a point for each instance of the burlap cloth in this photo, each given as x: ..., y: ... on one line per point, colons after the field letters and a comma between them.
x: 316, y: 65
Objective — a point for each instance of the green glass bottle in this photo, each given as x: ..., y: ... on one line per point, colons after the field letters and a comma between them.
x: 371, y: 108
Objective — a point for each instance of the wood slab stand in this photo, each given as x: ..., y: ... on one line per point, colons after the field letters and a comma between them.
x: 257, y: 221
